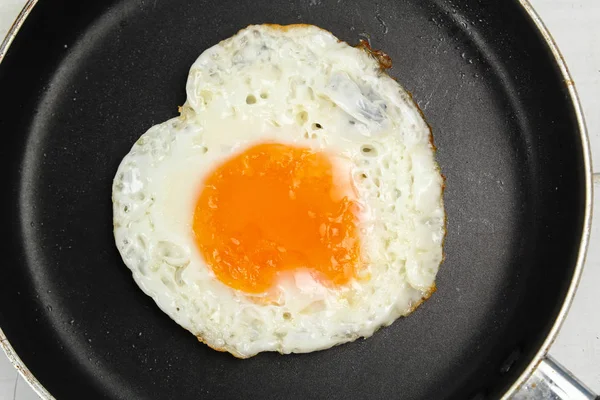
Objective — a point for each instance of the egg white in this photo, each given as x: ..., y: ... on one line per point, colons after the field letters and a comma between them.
x: 296, y: 85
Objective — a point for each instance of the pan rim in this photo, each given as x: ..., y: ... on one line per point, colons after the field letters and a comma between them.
x: 587, y: 219
x: 10, y: 352
x: 41, y: 391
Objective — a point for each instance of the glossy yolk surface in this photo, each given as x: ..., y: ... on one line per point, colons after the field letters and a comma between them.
x: 276, y: 208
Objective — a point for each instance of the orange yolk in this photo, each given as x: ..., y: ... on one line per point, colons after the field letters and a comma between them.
x: 276, y: 208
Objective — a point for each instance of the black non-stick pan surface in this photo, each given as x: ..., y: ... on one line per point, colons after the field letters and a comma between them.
x: 84, y: 79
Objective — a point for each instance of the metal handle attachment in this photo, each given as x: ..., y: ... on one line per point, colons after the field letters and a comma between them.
x: 552, y: 381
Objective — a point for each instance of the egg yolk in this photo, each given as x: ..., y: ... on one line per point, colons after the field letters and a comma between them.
x: 275, y: 208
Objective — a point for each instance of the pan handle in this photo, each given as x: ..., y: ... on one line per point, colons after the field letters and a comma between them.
x: 552, y: 381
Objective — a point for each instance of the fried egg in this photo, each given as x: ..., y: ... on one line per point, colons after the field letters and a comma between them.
x: 293, y: 205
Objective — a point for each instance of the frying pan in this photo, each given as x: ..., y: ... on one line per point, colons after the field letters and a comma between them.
x: 82, y: 80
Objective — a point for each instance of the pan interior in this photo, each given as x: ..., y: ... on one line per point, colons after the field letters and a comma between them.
x: 83, y: 80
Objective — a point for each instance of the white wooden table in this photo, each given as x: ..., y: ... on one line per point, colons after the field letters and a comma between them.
x: 575, y: 25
